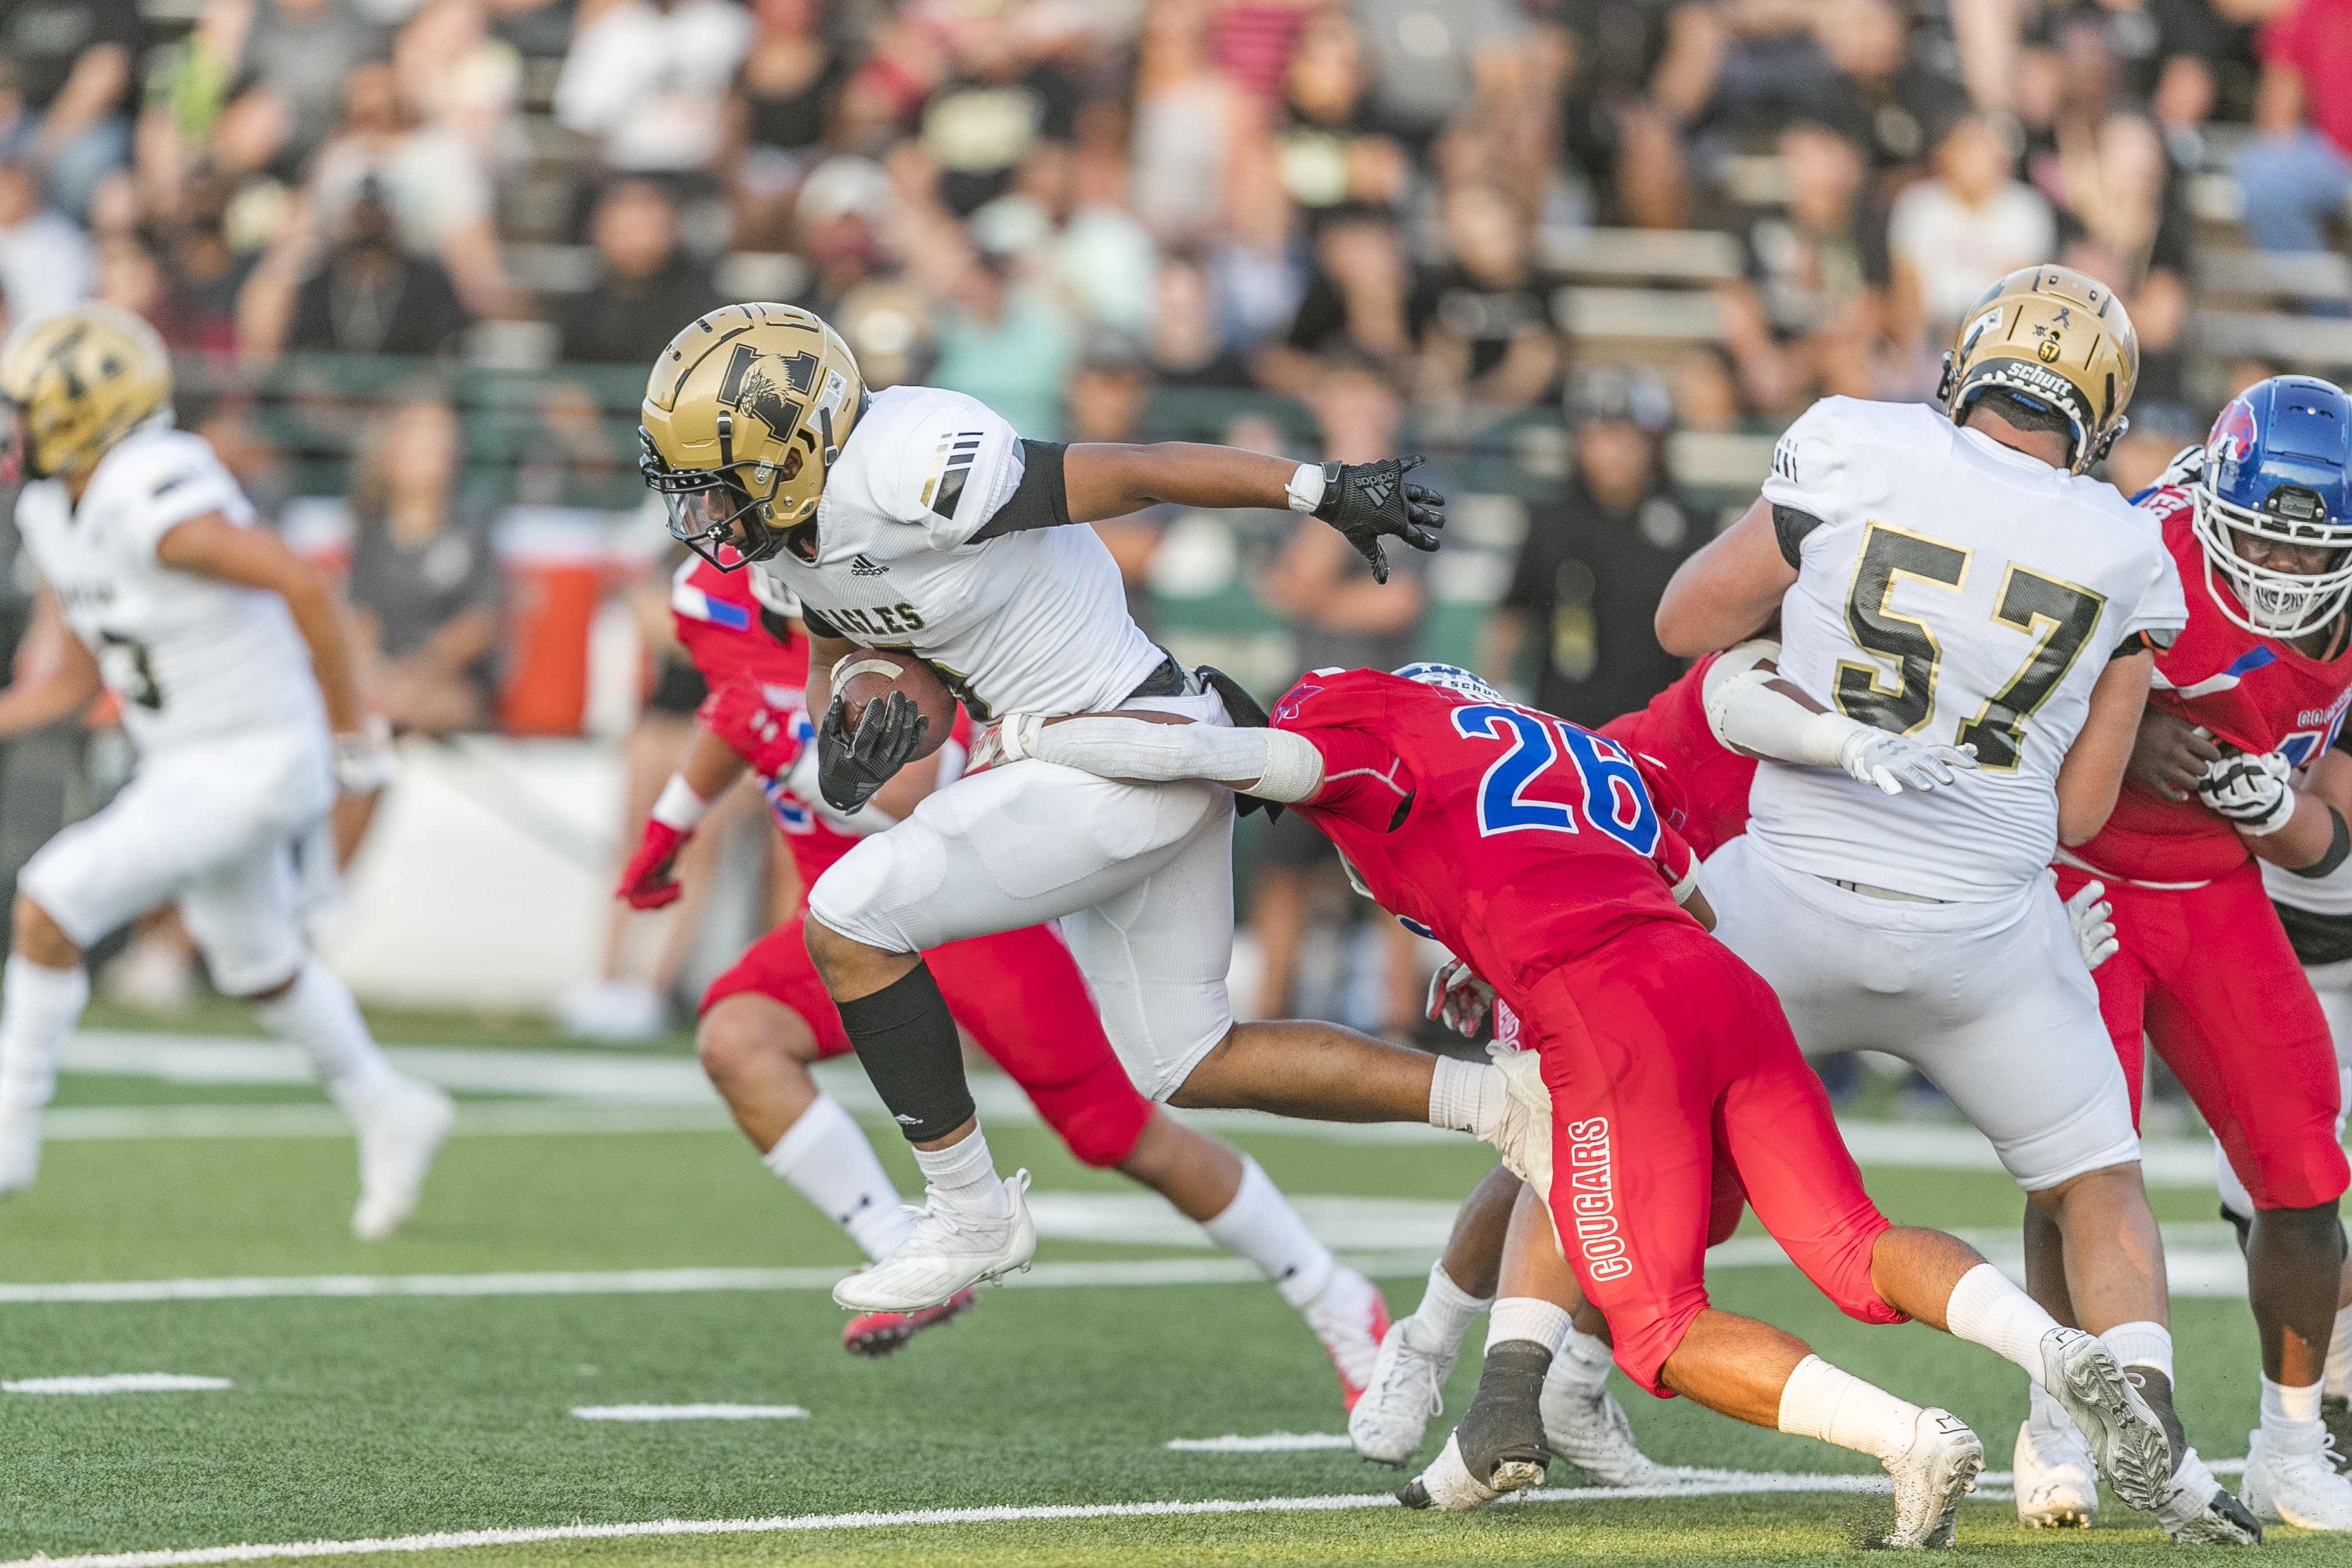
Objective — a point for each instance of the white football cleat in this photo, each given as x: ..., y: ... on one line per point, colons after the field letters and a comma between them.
x: 20, y: 1146
x: 1931, y: 1476
x: 1406, y: 1388
x: 1448, y: 1486
x: 2200, y: 1511
x: 400, y: 1132
x: 950, y: 1251
x: 2055, y: 1488
x: 1523, y: 1135
x: 2300, y: 1489
x: 1584, y: 1424
x: 2126, y: 1441
x: 1350, y: 1318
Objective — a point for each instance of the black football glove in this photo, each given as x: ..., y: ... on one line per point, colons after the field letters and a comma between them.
x: 1369, y: 501
x: 849, y: 769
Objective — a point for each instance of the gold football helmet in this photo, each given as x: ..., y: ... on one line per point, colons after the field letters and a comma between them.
x: 744, y: 413
x: 2052, y: 336
x: 77, y: 381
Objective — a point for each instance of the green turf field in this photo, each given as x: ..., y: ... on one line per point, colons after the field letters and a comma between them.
x: 377, y: 1415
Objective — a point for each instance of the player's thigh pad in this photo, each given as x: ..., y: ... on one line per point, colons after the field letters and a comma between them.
x: 778, y: 967
x: 226, y: 807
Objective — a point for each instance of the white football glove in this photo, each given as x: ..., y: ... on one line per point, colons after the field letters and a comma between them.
x: 364, y: 761
x: 1458, y: 999
x: 2188, y: 466
x: 2252, y: 790
x: 1897, y: 762
x: 2091, y: 918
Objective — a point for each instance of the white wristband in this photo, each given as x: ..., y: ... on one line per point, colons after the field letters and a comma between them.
x: 678, y: 806
x: 1306, y: 487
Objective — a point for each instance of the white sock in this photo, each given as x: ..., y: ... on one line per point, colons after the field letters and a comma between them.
x: 1445, y: 1311
x: 1584, y: 1361
x: 1261, y: 1226
x: 1821, y: 1401
x: 38, y: 1015
x: 2291, y: 1417
x: 316, y: 1012
x: 1529, y: 1318
x: 2338, y: 1379
x: 828, y: 1161
x: 2142, y: 1343
x: 1467, y: 1096
x: 963, y: 1176
x: 1987, y: 1310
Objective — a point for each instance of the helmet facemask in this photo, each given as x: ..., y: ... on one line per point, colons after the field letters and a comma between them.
x: 721, y: 514
x: 2263, y: 599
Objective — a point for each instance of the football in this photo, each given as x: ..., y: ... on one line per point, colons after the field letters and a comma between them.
x: 861, y: 681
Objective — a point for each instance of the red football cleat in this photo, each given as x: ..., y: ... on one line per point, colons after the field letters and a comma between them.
x: 879, y: 1334
x: 1351, y: 1319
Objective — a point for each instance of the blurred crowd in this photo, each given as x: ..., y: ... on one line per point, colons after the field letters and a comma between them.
x: 1326, y: 227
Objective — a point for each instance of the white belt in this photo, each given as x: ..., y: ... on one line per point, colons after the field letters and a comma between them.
x: 2112, y: 879
x: 1867, y: 891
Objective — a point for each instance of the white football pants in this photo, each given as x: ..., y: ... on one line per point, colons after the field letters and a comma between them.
x: 1991, y: 1001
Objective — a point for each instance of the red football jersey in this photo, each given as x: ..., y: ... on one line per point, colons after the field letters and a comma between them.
x: 1519, y: 840
x: 1712, y: 779
x: 730, y: 635
x: 2252, y: 691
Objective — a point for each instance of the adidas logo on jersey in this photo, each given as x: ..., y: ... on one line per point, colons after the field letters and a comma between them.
x: 862, y: 566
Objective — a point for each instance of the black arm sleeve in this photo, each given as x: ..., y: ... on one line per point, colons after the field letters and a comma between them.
x: 818, y: 627
x: 1042, y: 499
x: 2339, y: 848
x: 1790, y: 526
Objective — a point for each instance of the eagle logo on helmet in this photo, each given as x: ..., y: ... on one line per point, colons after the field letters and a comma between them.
x: 749, y: 387
x: 2233, y: 435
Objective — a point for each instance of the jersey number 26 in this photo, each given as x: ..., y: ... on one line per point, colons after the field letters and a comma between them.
x: 1611, y: 788
x: 2059, y: 617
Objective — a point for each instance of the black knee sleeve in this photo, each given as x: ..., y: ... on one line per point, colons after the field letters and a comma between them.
x: 2239, y: 1223
x: 1505, y: 1422
x: 906, y: 1040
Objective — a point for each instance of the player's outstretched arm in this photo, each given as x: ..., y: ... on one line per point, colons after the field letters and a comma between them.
x: 1727, y: 590
x: 65, y: 690
x: 1272, y: 764
x: 1368, y: 502
x: 2092, y: 774
x: 1752, y: 711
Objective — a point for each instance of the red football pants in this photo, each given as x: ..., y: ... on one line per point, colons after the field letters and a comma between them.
x: 1676, y: 1083
x: 1018, y: 994
x: 2206, y: 975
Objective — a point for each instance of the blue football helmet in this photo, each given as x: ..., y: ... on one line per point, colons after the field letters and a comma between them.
x: 2278, y: 468
x: 1450, y: 677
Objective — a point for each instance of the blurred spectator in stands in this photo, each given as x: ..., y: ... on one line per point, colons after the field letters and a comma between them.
x: 45, y: 261
x: 1955, y: 234
x: 2159, y: 429
x: 1594, y: 562
x: 1431, y: 57
x: 646, y: 80
x: 1481, y: 319
x: 2123, y: 223
x: 784, y: 96
x: 1806, y: 317
x: 1194, y: 128
x: 1109, y: 394
x: 586, y: 458
x: 997, y: 107
x: 1187, y: 344
x: 1639, y: 69
x: 1325, y: 147
x: 188, y: 85
x: 433, y: 179
x: 887, y: 322
x: 1002, y: 337
x: 129, y: 277
x: 2163, y: 48
x: 2244, y: 370
x: 1707, y: 395
x: 295, y: 56
x: 454, y: 75
x: 1340, y: 617
x: 1356, y: 302
x: 2297, y: 172
x: 73, y: 65
x: 372, y: 297
x: 206, y: 274
x: 424, y: 585
x: 648, y: 290
x: 259, y: 467
x: 535, y: 29
x: 845, y: 209
x: 1897, y: 99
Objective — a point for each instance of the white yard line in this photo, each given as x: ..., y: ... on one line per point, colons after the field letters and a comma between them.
x: 1688, y: 1484
x: 1264, y: 1443
x: 690, y: 1412
x: 116, y: 1383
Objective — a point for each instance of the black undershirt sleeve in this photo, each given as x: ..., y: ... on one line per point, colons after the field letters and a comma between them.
x: 2339, y: 848
x: 818, y: 627
x: 1790, y: 526
x: 1042, y: 499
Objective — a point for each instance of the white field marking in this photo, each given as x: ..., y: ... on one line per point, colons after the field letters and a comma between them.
x: 1687, y: 1483
x: 690, y: 1412
x: 116, y: 1383
x: 1344, y: 1223
x: 1267, y: 1443
x: 81, y: 1124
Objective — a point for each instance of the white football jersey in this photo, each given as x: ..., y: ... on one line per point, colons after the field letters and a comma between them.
x: 191, y: 658
x: 2329, y: 895
x: 1032, y: 622
x: 1957, y: 591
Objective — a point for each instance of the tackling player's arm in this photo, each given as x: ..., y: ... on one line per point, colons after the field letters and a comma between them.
x: 2092, y: 774
x: 59, y: 692
x: 1734, y: 585
x: 1752, y: 711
